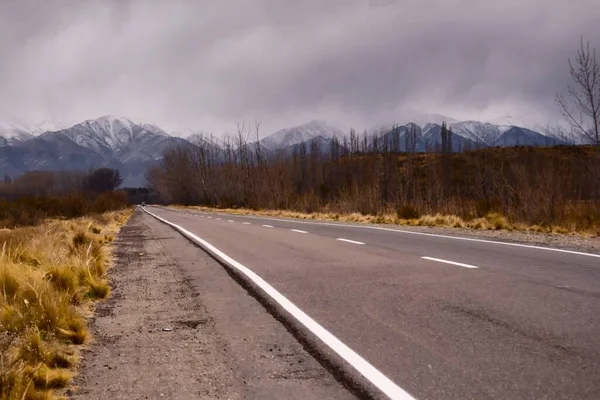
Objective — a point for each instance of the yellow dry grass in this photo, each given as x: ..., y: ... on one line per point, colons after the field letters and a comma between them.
x: 492, y: 221
x: 49, y: 276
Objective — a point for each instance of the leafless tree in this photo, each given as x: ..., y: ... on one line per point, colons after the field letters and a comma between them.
x: 583, y: 101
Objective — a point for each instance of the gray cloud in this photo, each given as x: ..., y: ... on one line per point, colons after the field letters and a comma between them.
x: 206, y: 64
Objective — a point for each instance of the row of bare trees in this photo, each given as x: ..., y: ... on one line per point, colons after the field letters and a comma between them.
x: 534, y: 185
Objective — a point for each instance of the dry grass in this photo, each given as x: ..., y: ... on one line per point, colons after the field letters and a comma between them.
x: 49, y: 275
x: 491, y: 221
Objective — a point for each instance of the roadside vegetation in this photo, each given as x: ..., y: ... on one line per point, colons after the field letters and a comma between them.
x: 552, y: 189
x: 54, y: 252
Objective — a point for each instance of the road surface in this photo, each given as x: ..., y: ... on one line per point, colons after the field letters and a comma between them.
x: 439, y: 316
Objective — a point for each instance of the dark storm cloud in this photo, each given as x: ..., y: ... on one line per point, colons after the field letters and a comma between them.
x: 206, y: 64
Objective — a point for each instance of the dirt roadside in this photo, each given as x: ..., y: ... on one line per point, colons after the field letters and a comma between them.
x: 163, y: 334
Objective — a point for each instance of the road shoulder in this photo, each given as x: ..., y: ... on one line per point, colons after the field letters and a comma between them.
x: 178, y: 326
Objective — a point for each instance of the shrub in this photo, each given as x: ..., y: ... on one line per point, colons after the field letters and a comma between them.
x: 81, y: 240
x: 109, y: 201
x: 407, y: 212
x: 497, y: 221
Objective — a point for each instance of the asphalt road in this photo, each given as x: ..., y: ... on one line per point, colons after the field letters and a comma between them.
x: 442, y: 317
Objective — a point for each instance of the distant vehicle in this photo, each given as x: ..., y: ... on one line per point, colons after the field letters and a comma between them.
x: 143, y: 204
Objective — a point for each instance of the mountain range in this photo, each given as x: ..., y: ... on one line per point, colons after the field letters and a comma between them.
x: 132, y: 147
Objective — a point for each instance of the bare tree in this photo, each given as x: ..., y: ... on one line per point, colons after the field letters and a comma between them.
x: 103, y: 180
x: 583, y: 101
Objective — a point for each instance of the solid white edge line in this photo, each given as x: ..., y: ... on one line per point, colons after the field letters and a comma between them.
x: 449, y: 262
x: 298, y: 230
x: 528, y: 246
x: 349, y: 241
x: 268, y: 226
x: 372, y: 374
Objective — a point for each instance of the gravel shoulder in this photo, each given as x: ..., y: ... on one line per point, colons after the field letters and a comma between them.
x: 560, y: 241
x: 178, y: 326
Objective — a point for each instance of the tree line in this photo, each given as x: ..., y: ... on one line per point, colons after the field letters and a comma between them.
x: 45, y: 183
x: 551, y: 185
x: 34, y: 196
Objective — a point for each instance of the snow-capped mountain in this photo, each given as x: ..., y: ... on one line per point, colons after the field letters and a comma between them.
x: 466, y: 135
x: 478, y: 132
x: 107, y: 141
x: 107, y: 135
x: 202, y: 139
x: 470, y: 135
x: 490, y: 135
x: 120, y: 138
x: 422, y: 119
x: 299, y: 134
x: 14, y: 131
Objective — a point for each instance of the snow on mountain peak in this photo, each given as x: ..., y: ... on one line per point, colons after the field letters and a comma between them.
x: 301, y: 133
x: 12, y: 127
x: 13, y: 132
x: 109, y: 134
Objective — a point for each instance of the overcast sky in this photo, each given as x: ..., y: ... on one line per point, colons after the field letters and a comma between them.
x: 204, y: 65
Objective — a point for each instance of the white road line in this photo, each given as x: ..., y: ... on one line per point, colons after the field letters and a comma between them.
x: 449, y: 262
x: 298, y: 230
x: 218, y: 219
x: 268, y: 226
x: 349, y: 241
x: 230, y: 220
x: 209, y: 217
x: 246, y: 223
x: 378, y: 379
x: 379, y: 228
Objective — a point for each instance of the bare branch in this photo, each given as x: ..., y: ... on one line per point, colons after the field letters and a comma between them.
x: 584, y: 96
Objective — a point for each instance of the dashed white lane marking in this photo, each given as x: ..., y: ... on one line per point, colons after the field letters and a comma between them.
x: 449, y: 262
x: 372, y: 374
x: 246, y: 223
x: 230, y: 220
x: 268, y: 226
x: 349, y: 241
x: 298, y: 230
x: 218, y: 219
x: 209, y: 217
x: 493, y: 242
